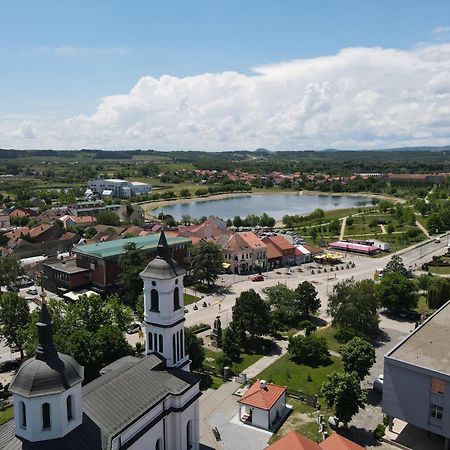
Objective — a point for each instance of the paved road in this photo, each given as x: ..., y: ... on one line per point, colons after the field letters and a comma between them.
x: 221, y: 304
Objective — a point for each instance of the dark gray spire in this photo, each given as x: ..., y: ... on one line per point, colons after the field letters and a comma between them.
x: 46, y: 347
x: 162, y: 250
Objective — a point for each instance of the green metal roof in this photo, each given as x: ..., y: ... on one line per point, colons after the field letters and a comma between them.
x: 115, y: 248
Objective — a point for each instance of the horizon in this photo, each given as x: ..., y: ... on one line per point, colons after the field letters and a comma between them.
x: 220, y: 77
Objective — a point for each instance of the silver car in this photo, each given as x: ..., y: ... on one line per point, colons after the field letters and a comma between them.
x: 378, y: 384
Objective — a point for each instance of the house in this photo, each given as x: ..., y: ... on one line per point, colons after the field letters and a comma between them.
x: 212, y: 227
x: 81, y: 221
x: 263, y: 405
x: 90, y: 208
x: 61, y: 276
x: 132, y: 213
x: 416, y: 381
x: 274, y: 255
x: 295, y: 441
x: 244, y: 251
x: 18, y: 211
x: 302, y: 255
x: 150, y: 402
x: 286, y: 248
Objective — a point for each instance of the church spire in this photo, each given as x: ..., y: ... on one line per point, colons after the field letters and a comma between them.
x: 162, y: 250
x: 46, y: 347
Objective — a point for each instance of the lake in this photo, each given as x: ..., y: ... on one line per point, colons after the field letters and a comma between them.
x: 275, y: 205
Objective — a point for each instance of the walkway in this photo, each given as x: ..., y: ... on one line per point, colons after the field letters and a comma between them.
x: 342, y: 233
x: 422, y: 228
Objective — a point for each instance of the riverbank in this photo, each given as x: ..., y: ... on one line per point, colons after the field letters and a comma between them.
x: 150, y: 206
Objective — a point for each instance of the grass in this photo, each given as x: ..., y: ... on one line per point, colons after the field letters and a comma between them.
x: 286, y: 372
x: 328, y: 333
x: 6, y: 415
x: 439, y: 270
x: 188, y: 299
x: 422, y: 306
x: 246, y: 360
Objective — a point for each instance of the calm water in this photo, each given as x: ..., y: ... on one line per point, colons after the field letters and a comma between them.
x: 276, y: 205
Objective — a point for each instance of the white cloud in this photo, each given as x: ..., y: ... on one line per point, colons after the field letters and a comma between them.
x: 358, y: 98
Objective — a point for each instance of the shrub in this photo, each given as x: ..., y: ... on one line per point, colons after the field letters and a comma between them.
x: 378, y: 433
x: 309, y: 349
x: 345, y: 334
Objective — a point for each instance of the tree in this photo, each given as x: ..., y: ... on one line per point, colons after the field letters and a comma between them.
x: 397, y: 293
x: 358, y: 356
x: 131, y: 263
x: 308, y: 349
x: 395, y: 265
x: 251, y: 314
x: 307, y: 299
x: 283, y: 302
x: 195, y: 349
x: 185, y: 193
x: 313, y: 233
x: 438, y: 292
x: 206, y: 262
x: 353, y: 304
x: 107, y: 217
x: 334, y: 226
x: 14, y: 317
x: 266, y: 221
x: 342, y: 391
x: 9, y: 271
x: 237, y: 221
x: 231, y: 344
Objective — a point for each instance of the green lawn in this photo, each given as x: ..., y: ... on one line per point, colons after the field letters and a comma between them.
x: 439, y: 270
x: 286, y: 372
x: 6, y: 415
x: 188, y: 299
x: 246, y: 360
x: 422, y: 306
x: 328, y: 333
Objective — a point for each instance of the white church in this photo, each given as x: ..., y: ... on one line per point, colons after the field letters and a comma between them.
x: 149, y: 403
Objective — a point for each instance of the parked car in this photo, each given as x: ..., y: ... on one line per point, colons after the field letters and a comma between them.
x: 32, y: 291
x: 258, y: 278
x: 437, y: 240
x: 6, y: 366
x: 378, y: 384
x: 134, y: 328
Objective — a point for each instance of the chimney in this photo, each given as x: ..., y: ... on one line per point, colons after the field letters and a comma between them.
x: 263, y: 384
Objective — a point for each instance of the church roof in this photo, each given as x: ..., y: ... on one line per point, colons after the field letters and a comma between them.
x: 163, y: 267
x: 112, y: 403
x: 48, y: 372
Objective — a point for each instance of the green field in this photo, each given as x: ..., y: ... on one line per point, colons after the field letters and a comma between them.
x: 286, y: 372
x: 246, y: 360
x: 439, y: 270
x: 328, y: 333
x: 188, y: 299
x: 6, y: 415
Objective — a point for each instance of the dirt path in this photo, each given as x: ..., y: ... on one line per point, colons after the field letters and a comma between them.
x: 343, y: 224
x: 422, y: 228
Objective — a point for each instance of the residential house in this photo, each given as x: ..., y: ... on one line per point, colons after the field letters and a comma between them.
x: 286, y: 249
x: 81, y: 221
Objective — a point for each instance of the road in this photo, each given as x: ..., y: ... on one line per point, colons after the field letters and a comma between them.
x: 233, y: 285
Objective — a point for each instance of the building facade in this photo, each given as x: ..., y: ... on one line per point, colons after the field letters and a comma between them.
x: 112, y: 187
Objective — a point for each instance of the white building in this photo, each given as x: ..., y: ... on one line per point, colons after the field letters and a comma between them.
x: 146, y: 403
x: 263, y: 405
x: 113, y: 187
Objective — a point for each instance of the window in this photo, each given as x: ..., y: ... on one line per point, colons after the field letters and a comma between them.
x: 437, y: 386
x: 154, y: 300
x: 176, y: 299
x: 158, y: 444
x: 23, y: 414
x: 188, y: 436
x: 436, y: 412
x: 150, y: 341
x: 181, y: 344
x: 155, y: 342
x: 174, y: 349
x: 46, y: 416
x: 161, y: 346
x: 69, y: 408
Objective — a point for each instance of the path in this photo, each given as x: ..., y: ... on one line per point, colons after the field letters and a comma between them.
x: 422, y: 228
x: 383, y: 229
x: 342, y: 233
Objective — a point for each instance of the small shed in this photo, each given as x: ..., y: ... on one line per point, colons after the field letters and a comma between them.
x: 263, y: 405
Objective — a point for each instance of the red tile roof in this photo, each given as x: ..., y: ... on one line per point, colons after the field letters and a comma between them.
x: 272, y: 251
x: 263, y: 397
x: 280, y: 242
x: 294, y: 441
x: 338, y: 442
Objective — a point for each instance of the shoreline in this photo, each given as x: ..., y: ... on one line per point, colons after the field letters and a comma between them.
x: 151, y: 206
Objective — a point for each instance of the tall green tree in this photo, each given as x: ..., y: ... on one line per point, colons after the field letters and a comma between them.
x: 438, y: 292
x: 353, y: 304
x: 206, y: 262
x: 307, y: 299
x: 251, y: 314
x: 395, y: 265
x: 107, y: 217
x: 309, y: 349
x: 282, y: 300
x: 9, y: 271
x: 358, y: 355
x: 342, y: 391
x: 195, y: 349
x: 14, y: 318
x: 397, y: 293
x: 131, y: 263
x: 231, y: 344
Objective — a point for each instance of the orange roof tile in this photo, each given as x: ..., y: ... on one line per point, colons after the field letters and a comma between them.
x: 280, y: 242
x: 338, y: 442
x: 251, y: 239
x: 263, y: 397
x: 294, y: 441
x: 272, y: 251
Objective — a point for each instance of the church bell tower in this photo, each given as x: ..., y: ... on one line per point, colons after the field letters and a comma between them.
x: 164, y: 307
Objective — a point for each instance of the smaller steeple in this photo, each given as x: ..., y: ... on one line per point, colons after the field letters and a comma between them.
x: 46, y: 347
x: 162, y: 250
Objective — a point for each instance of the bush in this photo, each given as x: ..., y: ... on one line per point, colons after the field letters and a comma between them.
x: 200, y: 327
x: 378, y: 433
x: 308, y: 326
x: 345, y: 334
x: 308, y: 349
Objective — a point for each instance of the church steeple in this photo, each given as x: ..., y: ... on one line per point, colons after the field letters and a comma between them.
x: 45, y: 350
x: 162, y: 249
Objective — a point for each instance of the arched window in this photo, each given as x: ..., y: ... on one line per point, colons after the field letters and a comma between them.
x: 181, y: 345
x: 23, y: 414
x: 150, y: 341
x: 46, y: 416
x: 188, y: 436
x: 154, y: 300
x: 155, y: 342
x: 176, y: 299
x: 178, y: 346
x: 161, y: 346
x: 69, y: 408
x: 158, y: 444
x: 174, y: 351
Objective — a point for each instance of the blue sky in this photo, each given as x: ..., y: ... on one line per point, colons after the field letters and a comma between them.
x: 59, y: 59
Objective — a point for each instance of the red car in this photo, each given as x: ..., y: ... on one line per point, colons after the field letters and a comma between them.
x: 258, y: 278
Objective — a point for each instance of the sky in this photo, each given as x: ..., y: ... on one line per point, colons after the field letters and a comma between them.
x: 224, y: 75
